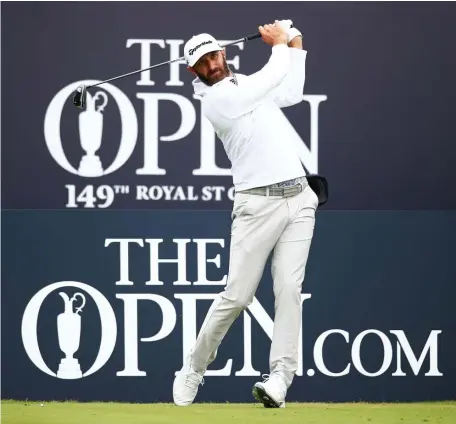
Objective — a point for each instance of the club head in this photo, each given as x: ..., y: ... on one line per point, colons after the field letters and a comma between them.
x: 79, y: 97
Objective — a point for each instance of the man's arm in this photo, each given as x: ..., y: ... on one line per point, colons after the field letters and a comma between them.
x: 291, y: 90
x: 233, y: 101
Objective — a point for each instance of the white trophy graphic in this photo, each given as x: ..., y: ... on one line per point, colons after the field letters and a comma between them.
x: 90, y: 133
x: 69, y: 334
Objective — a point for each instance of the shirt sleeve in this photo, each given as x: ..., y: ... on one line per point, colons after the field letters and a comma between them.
x: 290, y: 91
x: 237, y: 101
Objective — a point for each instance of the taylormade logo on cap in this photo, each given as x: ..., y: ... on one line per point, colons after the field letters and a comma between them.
x: 198, y: 46
x: 191, y: 51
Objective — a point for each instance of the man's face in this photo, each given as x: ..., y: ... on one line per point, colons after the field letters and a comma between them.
x: 211, y: 68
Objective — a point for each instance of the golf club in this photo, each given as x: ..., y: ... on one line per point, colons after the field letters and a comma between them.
x: 80, y: 95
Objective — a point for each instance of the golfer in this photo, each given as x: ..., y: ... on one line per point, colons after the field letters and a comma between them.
x: 274, y: 207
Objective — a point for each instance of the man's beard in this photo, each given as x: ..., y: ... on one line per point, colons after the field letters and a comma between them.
x: 208, y: 81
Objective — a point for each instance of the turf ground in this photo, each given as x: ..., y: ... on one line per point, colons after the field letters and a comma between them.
x: 20, y: 412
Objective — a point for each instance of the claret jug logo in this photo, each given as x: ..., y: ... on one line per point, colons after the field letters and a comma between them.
x: 69, y: 328
x: 91, y: 130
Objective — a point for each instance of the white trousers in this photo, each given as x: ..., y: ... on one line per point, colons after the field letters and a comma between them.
x: 262, y: 224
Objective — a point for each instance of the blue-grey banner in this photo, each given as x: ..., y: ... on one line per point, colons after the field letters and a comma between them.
x: 105, y: 305
x: 376, y: 118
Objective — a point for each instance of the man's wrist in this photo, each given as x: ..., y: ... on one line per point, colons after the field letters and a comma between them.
x: 296, y: 42
x: 280, y: 41
x: 294, y: 38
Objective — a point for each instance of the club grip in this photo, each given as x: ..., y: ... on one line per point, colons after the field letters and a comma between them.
x: 253, y: 36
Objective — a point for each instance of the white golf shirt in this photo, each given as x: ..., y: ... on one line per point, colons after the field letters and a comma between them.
x: 261, y: 144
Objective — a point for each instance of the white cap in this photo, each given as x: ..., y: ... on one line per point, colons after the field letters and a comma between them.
x: 198, y: 46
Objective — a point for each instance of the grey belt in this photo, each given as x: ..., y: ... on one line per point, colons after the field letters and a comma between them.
x: 284, y: 189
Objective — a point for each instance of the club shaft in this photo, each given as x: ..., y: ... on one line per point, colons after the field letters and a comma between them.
x: 249, y: 37
x: 135, y: 72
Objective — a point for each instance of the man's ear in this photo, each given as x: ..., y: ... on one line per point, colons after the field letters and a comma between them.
x: 190, y: 69
x: 224, y: 52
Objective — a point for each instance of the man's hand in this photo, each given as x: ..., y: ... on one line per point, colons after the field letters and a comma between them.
x: 273, y: 34
x: 294, y: 36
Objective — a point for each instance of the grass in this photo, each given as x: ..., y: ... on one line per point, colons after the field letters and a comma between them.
x: 21, y: 412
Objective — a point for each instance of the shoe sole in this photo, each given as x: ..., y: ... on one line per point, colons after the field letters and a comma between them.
x: 261, y: 396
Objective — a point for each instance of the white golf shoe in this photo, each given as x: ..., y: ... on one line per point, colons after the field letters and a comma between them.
x: 186, y: 384
x: 271, y: 392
